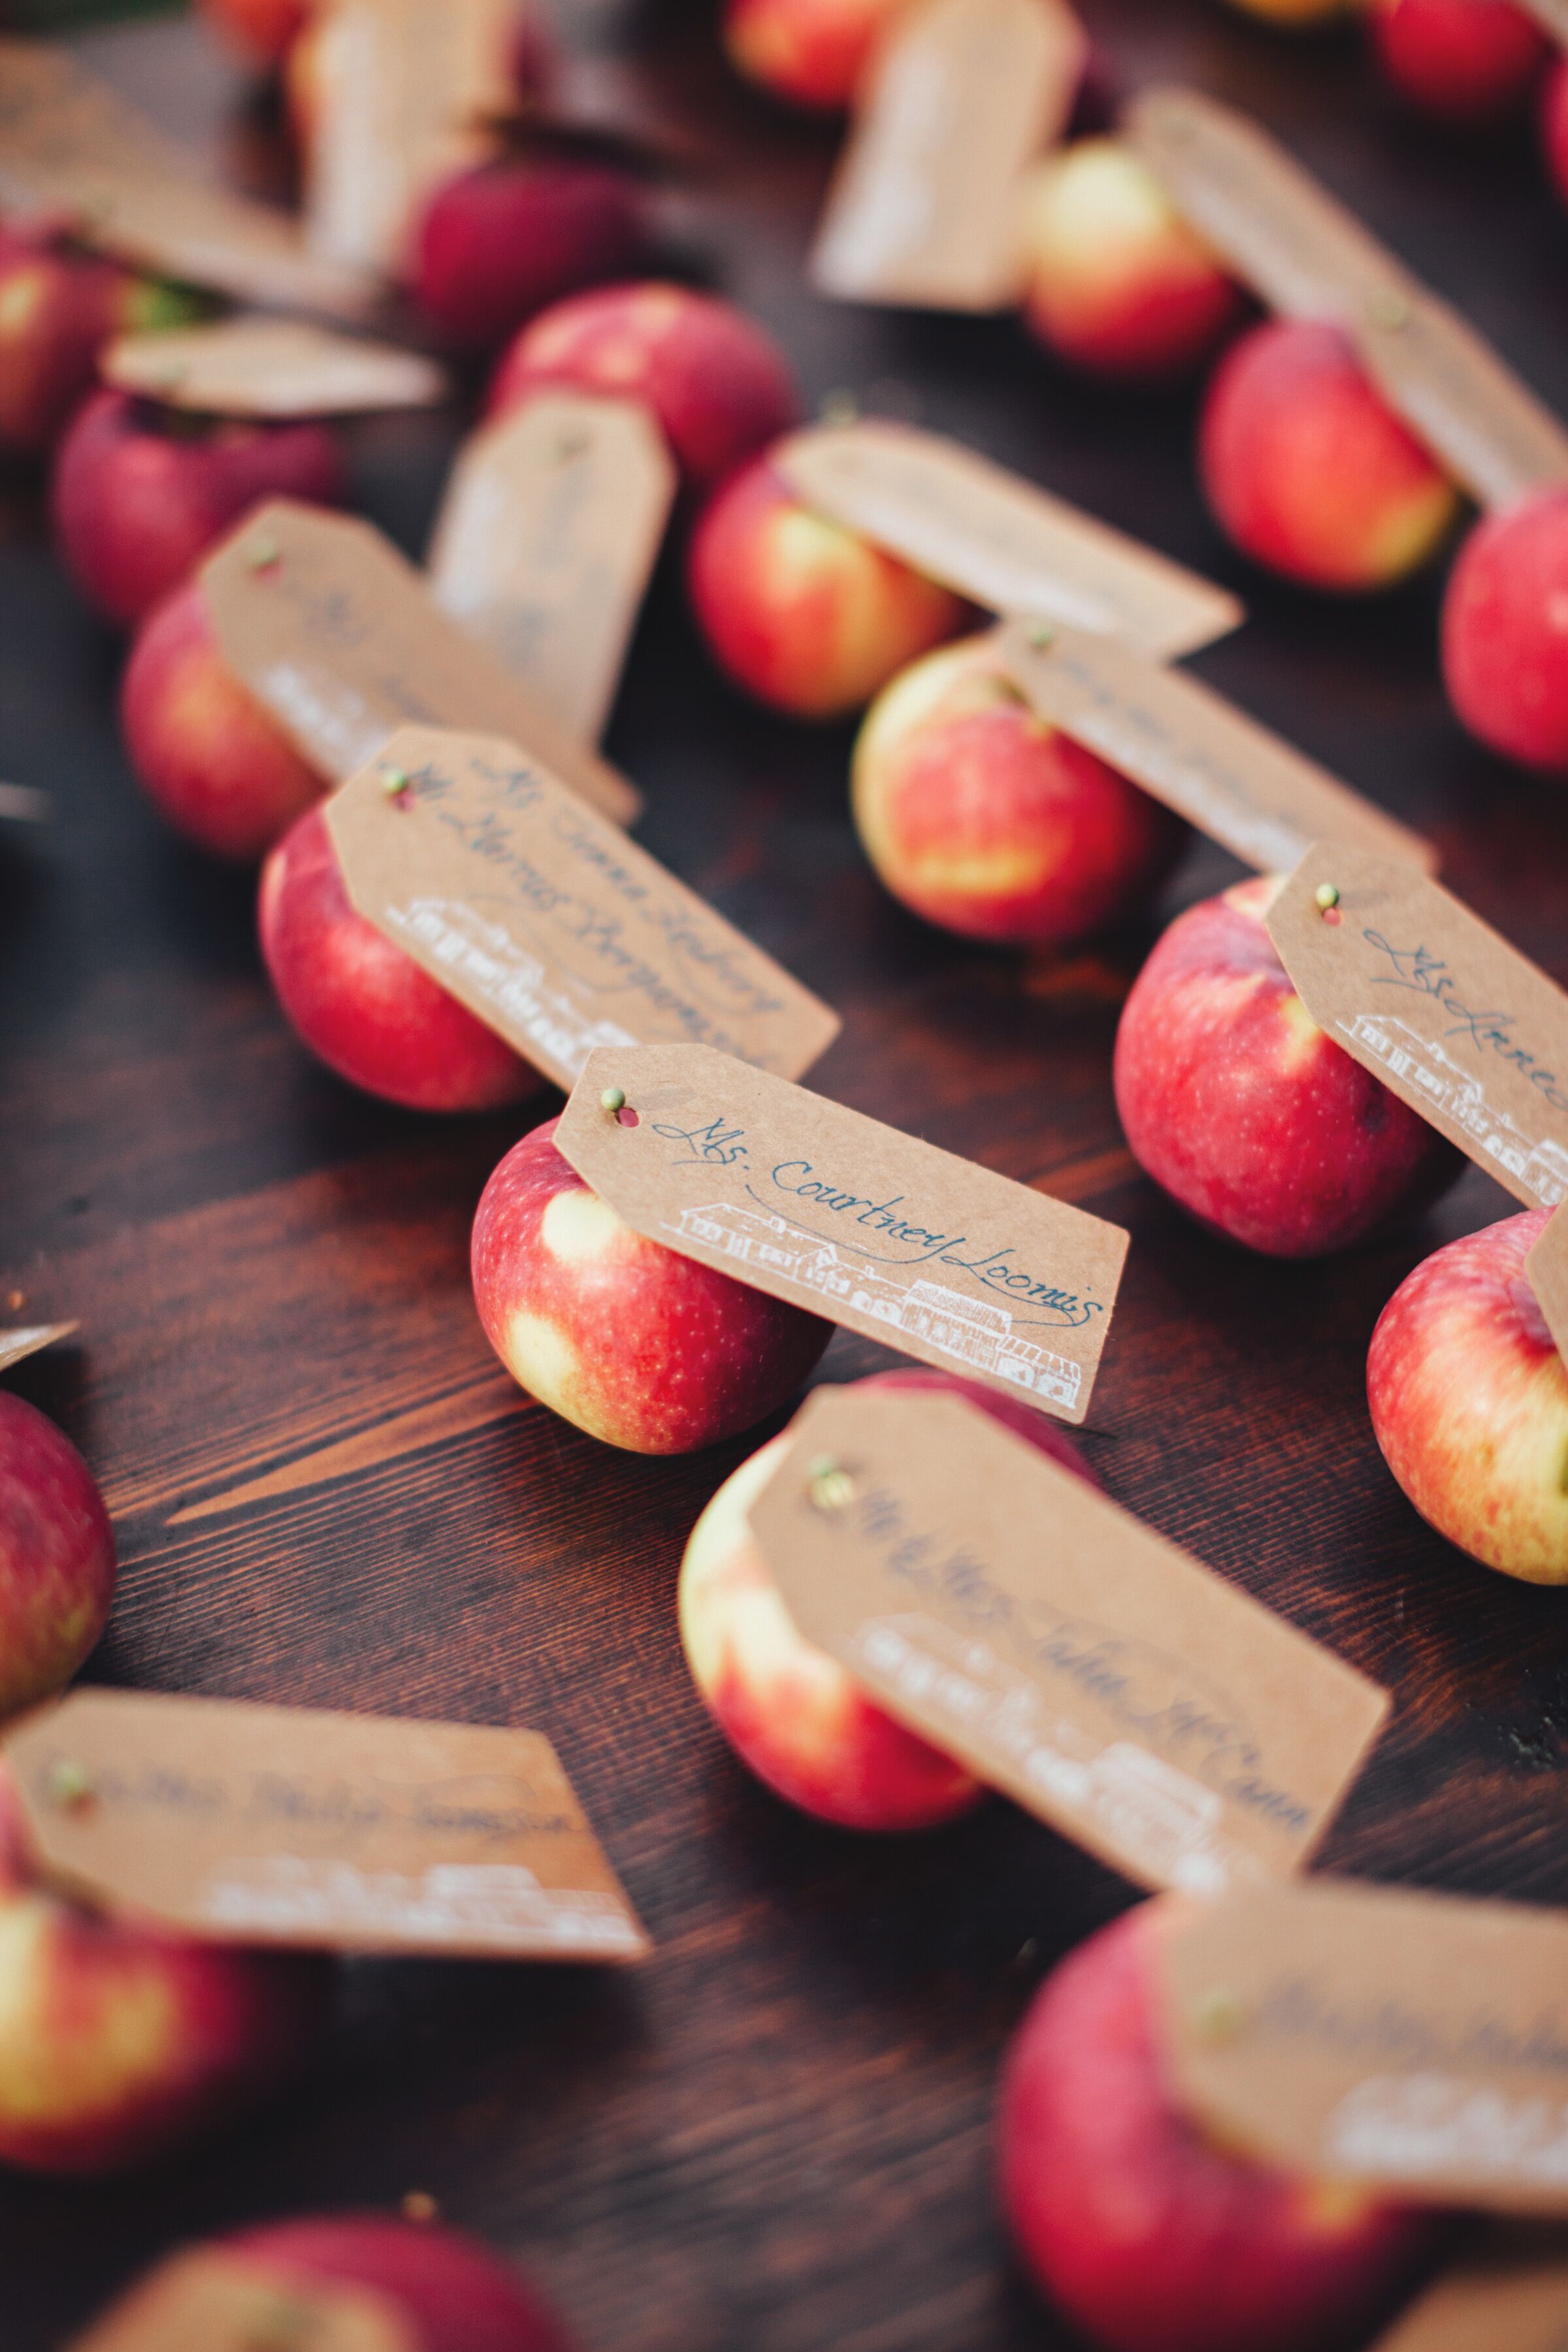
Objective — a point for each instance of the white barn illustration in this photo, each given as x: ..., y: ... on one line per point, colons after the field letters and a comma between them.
x: 1443, y: 1086
x: 507, y: 978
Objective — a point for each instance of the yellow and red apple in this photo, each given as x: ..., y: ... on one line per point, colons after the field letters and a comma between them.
x: 1505, y: 632
x: 59, y: 308
x: 57, y: 1556
x: 1461, y: 61
x: 814, y: 53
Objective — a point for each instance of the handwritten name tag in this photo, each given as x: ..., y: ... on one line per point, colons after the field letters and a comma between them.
x: 1247, y: 789
x: 213, y: 2301
x: 339, y: 1833
x: 1019, y: 1621
x: 1415, y: 2043
x: 1427, y: 997
x: 546, y: 921
x: 1547, y: 1267
x: 1511, y: 2295
x: 272, y: 367
x: 999, y: 540
x: 834, y: 1212
x: 15, y: 1347
x: 1306, y: 256
x: 337, y: 636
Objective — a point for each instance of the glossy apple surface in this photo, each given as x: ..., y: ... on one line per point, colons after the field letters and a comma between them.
x: 632, y: 1342
x: 140, y: 493
x: 121, y: 2041
x: 1118, y: 283
x: 57, y: 1556
x: 1149, y: 2235
x: 804, y: 614
x: 213, y: 762
x: 364, y: 1008
x: 1505, y: 632
x: 813, y: 53
x: 718, y: 387
x: 1462, y: 61
x: 1307, y: 468
x: 1469, y: 1403
x: 990, y: 823
x: 496, y: 245
x: 790, y: 1710
x: 59, y: 308
x: 1245, y: 1111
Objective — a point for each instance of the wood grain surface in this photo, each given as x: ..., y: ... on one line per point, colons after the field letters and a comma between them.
x: 775, y: 2137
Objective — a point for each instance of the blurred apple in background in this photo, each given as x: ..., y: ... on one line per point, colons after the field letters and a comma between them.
x: 1149, y: 2235
x: 1118, y: 284
x: 59, y: 308
x: 1295, y: 14
x: 1308, y: 469
x: 214, y: 762
x: 365, y: 1009
x: 1469, y: 1403
x: 986, y: 820
x: 790, y: 1710
x: 718, y: 386
x: 57, y: 1556
x: 140, y: 492
x: 632, y: 1342
x: 494, y: 245
x: 1245, y: 1111
x: 813, y: 53
x: 120, y: 2040
x: 261, y: 31
x: 1505, y: 632
x: 1460, y: 61
x: 1554, y: 123
x: 803, y: 613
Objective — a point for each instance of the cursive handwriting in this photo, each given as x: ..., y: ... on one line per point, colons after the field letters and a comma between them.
x: 1429, y: 975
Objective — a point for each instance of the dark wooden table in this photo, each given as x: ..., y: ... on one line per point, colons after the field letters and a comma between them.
x: 775, y: 2135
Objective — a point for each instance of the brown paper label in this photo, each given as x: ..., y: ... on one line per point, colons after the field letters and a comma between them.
x: 1001, y: 541
x: 1368, y: 2033
x: 1551, y: 15
x: 212, y: 2300
x: 1247, y: 789
x: 15, y: 1347
x: 1306, y: 256
x: 834, y: 1212
x: 338, y: 1833
x: 926, y: 207
x: 1547, y: 1267
x: 272, y: 367
x: 1494, y: 2306
x: 546, y: 541
x: 549, y: 924
x: 338, y: 636
x: 408, y: 94
x: 1019, y: 1621
x: 1427, y: 997
x: 70, y: 146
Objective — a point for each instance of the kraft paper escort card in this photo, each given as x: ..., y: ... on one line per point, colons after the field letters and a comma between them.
x: 1427, y: 997
x: 1006, y: 1610
x: 1001, y: 541
x: 1307, y: 256
x: 338, y: 1833
x: 551, y: 927
x: 1551, y: 15
x: 834, y: 1212
x: 15, y: 1347
x: 546, y: 541
x: 337, y: 636
x: 272, y: 367
x: 1547, y: 1267
x: 1415, y: 2043
x: 927, y: 207
x: 1510, y: 2303
x: 71, y: 149
x: 211, y: 2300
x: 1246, y: 788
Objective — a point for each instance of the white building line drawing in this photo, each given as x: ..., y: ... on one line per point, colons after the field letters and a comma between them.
x: 972, y: 1331
x: 1442, y: 1085
x: 507, y: 978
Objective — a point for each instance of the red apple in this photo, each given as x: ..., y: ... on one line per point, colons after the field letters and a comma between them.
x: 1248, y: 1114
x: 260, y: 31
x: 1149, y: 2236
x: 1554, y: 123
x: 57, y: 1556
x: 631, y: 1341
x: 496, y: 244
x: 812, y: 52
x: 1505, y: 632
x: 1295, y: 15
x: 1308, y: 469
x: 1464, y: 62
x: 120, y: 2039
x: 1118, y: 283
x: 803, y: 613
x: 1469, y: 1403
x: 142, y: 492
x: 718, y: 387
x: 213, y: 762
x: 788, y: 1709
x: 986, y: 821
x: 59, y: 308
x: 364, y: 1007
